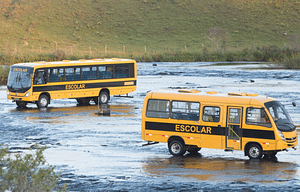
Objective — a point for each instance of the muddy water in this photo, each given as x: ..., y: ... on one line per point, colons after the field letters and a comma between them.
x: 105, y: 153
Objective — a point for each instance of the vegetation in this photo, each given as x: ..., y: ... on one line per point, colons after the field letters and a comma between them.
x: 150, y: 30
x: 27, y: 173
x: 95, y: 26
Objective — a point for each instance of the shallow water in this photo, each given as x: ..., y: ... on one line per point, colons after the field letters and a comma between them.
x: 105, y: 153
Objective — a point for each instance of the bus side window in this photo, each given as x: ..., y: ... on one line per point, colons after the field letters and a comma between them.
x: 89, y: 73
x: 121, y: 71
x: 158, y: 108
x: 211, y: 114
x: 257, y: 116
x: 185, y: 110
x: 52, y: 75
x: 101, y: 72
x: 61, y: 74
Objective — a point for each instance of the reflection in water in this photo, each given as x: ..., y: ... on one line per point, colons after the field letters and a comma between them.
x: 220, y: 169
x: 64, y: 114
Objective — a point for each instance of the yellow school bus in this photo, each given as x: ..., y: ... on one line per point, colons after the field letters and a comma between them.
x: 189, y: 120
x: 83, y: 80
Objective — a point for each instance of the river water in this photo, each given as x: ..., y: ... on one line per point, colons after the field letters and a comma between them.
x: 105, y: 153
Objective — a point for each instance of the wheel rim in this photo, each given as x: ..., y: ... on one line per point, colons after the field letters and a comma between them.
x: 254, y: 152
x: 43, y: 102
x: 103, y: 98
x: 175, y: 148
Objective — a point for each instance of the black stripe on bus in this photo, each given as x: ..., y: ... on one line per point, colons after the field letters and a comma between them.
x: 185, y: 128
x: 211, y: 130
x: 86, y: 86
x: 259, y: 134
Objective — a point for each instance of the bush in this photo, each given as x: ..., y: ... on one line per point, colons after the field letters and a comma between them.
x: 27, y: 173
x: 292, y: 62
x: 4, y: 70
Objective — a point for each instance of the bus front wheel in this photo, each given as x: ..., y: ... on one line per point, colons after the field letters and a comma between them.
x: 104, y: 97
x: 177, y: 148
x: 254, y: 151
x: 43, y: 101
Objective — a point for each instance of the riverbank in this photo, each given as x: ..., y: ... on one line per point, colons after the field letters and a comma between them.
x: 284, y: 58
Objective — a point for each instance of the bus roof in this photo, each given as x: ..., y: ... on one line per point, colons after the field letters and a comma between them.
x: 74, y: 62
x: 211, y: 97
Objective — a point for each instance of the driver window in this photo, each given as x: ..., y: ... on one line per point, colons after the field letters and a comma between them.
x: 257, y: 116
x: 39, y: 77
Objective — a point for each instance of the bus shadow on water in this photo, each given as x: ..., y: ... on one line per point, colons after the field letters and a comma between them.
x: 196, y: 167
x: 64, y: 114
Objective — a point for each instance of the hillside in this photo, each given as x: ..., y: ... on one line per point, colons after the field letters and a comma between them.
x: 130, y: 25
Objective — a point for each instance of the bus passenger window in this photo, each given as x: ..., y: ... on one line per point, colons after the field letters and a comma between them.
x: 121, y: 71
x: 72, y: 74
x: 185, y: 110
x: 89, y: 73
x: 211, y: 114
x: 109, y: 72
x: 257, y: 116
x: 101, y: 72
x: 61, y: 74
x: 158, y: 108
x: 52, y: 74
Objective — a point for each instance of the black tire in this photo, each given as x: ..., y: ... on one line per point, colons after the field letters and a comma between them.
x: 43, y: 101
x: 104, y: 97
x: 177, y: 148
x: 21, y: 104
x: 83, y: 101
x: 254, y: 151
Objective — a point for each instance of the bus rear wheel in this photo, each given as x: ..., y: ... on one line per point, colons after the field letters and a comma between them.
x: 177, y: 148
x: 254, y: 151
x: 104, y: 97
x: 43, y: 101
x: 21, y: 104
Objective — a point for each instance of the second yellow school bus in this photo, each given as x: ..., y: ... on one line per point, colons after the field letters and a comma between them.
x: 189, y: 120
x: 83, y: 80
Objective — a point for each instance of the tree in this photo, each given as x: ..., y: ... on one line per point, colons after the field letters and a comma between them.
x: 27, y: 173
x: 215, y: 35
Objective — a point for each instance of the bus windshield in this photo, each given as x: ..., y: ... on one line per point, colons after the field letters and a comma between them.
x: 19, y: 79
x: 280, y: 116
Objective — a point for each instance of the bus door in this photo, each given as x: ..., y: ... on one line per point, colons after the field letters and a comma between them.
x: 234, y: 128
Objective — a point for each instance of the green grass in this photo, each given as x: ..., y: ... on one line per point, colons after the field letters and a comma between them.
x: 173, y: 25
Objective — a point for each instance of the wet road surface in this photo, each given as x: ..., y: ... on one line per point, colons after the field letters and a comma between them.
x: 105, y: 153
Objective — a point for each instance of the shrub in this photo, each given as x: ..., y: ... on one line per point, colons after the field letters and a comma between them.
x: 27, y: 173
x: 292, y: 62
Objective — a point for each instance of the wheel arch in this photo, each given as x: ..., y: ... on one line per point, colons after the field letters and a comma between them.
x: 106, y: 90
x: 173, y: 138
x: 248, y: 145
x: 47, y: 94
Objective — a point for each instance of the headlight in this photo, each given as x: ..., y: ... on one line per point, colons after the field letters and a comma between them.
x: 282, y: 136
x: 27, y: 94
